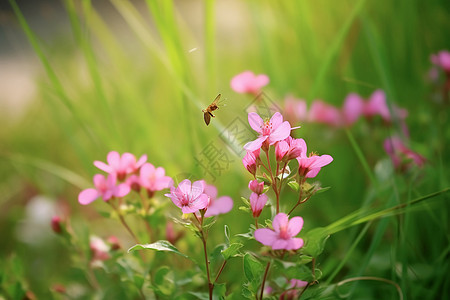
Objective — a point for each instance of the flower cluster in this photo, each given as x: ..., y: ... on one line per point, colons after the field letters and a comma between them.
x: 402, y: 157
x: 353, y: 108
x: 124, y: 173
x: 275, y: 132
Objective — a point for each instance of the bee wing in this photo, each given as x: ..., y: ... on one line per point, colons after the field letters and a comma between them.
x: 206, y: 117
x: 217, y: 99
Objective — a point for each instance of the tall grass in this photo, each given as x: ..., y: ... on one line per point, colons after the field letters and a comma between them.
x: 142, y: 91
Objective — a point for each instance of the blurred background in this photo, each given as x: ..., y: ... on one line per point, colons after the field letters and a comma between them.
x: 79, y: 79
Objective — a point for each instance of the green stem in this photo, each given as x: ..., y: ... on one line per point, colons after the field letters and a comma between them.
x: 264, y: 280
x: 361, y: 157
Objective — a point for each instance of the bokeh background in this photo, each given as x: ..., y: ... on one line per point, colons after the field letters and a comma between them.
x: 79, y: 79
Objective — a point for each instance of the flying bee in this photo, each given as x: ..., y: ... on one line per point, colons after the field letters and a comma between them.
x: 207, y: 112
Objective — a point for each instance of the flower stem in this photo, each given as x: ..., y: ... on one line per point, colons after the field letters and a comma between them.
x: 264, y: 280
x: 203, y: 238
x: 124, y: 223
x: 220, y: 271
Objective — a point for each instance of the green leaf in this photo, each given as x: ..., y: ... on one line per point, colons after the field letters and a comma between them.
x: 164, y: 281
x: 231, y: 251
x: 252, y: 268
x: 266, y: 180
x: 161, y: 245
x: 315, y: 241
x: 227, y: 235
x: 219, y: 291
x: 208, y: 222
x: 321, y: 189
x: 294, y: 185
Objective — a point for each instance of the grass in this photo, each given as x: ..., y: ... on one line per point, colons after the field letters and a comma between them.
x: 142, y: 91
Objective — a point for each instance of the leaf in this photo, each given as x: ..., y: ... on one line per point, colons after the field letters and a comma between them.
x: 161, y: 245
x: 219, y: 291
x: 208, y: 222
x: 321, y: 189
x: 294, y: 185
x: 266, y: 180
x: 252, y: 268
x: 164, y: 281
x: 315, y: 241
x: 231, y: 251
x: 227, y: 235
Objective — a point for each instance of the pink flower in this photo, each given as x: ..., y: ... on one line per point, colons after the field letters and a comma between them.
x: 105, y: 188
x: 352, y: 109
x: 292, y: 293
x: 377, y: 106
x: 442, y: 60
x: 120, y: 165
x: 114, y: 242
x: 322, y: 112
x: 217, y: 206
x: 283, y: 235
x: 250, y: 161
x: 295, y: 110
x: 257, y: 203
x: 270, y: 132
x: 309, y: 167
x: 256, y: 187
x: 153, y: 179
x: 100, y: 251
x: 288, y: 149
x: 189, y: 197
x: 248, y: 82
x: 402, y: 157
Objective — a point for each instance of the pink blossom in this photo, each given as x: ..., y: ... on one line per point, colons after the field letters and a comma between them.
x: 442, y: 60
x: 257, y: 203
x: 309, y: 166
x: 377, y: 106
x: 105, y: 188
x: 325, y: 113
x: 292, y: 293
x: 153, y: 179
x: 288, y: 149
x: 250, y: 161
x: 114, y: 242
x: 295, y: 110
x: 352, y: 109
x: 120, y: 165
x: 189, y: 197
x: 270, y: 132
x: 402, y: 157
x: 217, y: 206
x: 100, y: 251
x: 248, y: 82
x: 256, y: 187
x: 283, y: 235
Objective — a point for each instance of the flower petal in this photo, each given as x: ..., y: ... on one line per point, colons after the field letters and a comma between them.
x: 121, y: 190
x: 200, y: 202
x: 87, y: 196
x: 280, y: 133
x: 113, y: 159
x: 198, y: 188
x: 265, y: 236
x: 141, y: 161
x: 256, y: 122
x: 280, y: 220
x: 222, y: 205
x: 256, y: 144
x: 185, y: 187
x: 211, y: 191
x: 294, y: 226
x: 321, y: 161
x: 276, y: 120
x: 280, y: 244
x: 294, y: 244
x: 102, y: 166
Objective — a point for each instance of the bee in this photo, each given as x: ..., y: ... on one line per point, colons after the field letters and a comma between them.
x: 207, y: 112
